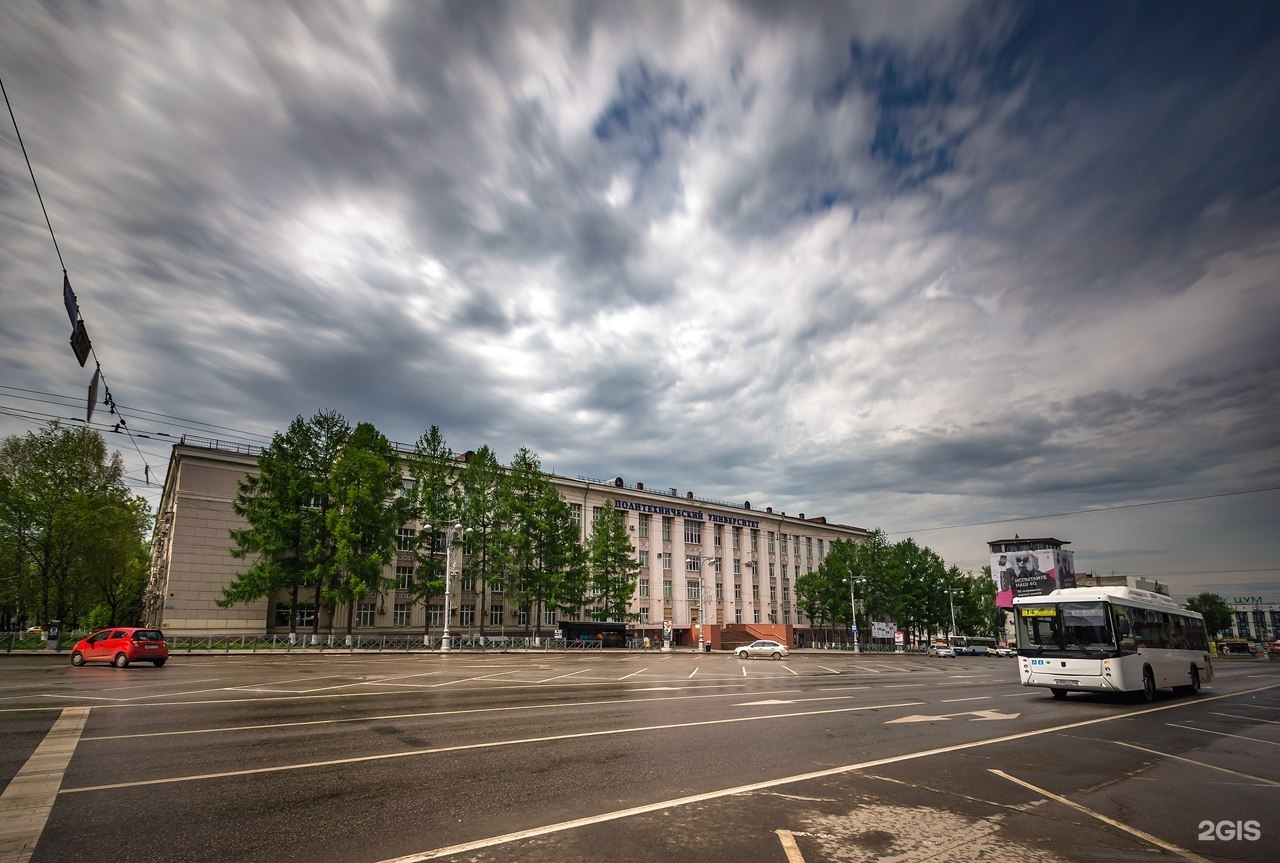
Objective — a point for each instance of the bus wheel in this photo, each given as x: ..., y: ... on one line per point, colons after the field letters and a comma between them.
x: 1058, y: 693
x: 1148, y: 685
x: 1193, y: 687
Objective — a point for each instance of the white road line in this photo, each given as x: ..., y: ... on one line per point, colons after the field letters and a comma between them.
x: 493, y: 744
x: 633, y: 674
x: 789, y: 846
x: 1133, y: 831
x: 788, y: 668
x: 1249, y: 718
x: 1221, y: 733
x: 832, y: 670
x: 975, y: 698
x: 29, y: 797
x: 467, y: 679
x: 770, y: 783
x: 692, y: 673
x: 562, y: 676
x: 1197, y: 763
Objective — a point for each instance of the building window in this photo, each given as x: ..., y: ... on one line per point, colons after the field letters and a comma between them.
x: 808, y: 546
x: 821, y: 553
x: 404, y: 577
x: 495, y: 614
x: 755, y: 539
x: 691, y: 590
x: 755, y: 616
x: 666, y: 561
x: 496, y: 586
x: 644, y: 615
x: 400, y: 614
x: 595, y: 514
x: 666, y: 588
x: 795, y: 544
x: 365, y: 613
x: 737, y: 538
x: 692, y: 532
x: 737, y: 568
x: 773, y: 592
x: 643, y: 558
x: 549, y: 617
x: 306, y: 613
x: 786, y: 591
x: 467, y: 615
x: 408, y: 487
x: 522, y: 617
x: 406, y: 538
x: 575, y: 512
x: 666, y: 528
x: 644, y: 587
x: 692, y: 564
x: 435, y: 615
x: 719, y: 592
x: 771, y: 569
x: 737, y: 615
x: 755, y: 594
x: 644, y: 526
x: 786, y: 616
x: 718, y: 530
x: 770, y: 542
x: 737, y: 594
x: 468, y: 581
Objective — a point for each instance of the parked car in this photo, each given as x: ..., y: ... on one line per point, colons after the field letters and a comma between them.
x: 1006, y: 651
x: 764, y: 647
x: 942, y: 650
x: 121, y: 645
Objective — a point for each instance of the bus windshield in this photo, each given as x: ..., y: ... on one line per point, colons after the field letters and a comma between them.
x: 1066, y: 627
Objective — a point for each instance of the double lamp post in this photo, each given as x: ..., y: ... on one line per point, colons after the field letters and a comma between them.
x: 446, y: 642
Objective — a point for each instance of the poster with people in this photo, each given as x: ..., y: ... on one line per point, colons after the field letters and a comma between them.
x: 1031, y: 573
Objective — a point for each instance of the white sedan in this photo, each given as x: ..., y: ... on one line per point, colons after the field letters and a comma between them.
x: 772, y: 649
x: 941, y: 650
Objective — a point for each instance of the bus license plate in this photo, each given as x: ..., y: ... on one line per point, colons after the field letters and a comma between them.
x: 1067, y: 682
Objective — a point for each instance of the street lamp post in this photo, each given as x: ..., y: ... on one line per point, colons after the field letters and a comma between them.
x: 951, y: 600
x: 853, y: 604
x: 446, y: 642
x: 702, y: 599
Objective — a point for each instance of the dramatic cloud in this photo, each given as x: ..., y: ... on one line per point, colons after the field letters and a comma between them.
x: 902, y: 265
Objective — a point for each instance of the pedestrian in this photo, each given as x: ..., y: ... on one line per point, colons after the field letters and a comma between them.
x: 646, y: 642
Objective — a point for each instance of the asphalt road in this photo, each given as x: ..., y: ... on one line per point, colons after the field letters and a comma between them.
x: 625, y: 756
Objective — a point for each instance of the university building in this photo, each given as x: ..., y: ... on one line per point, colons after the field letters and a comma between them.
x: 740, y: 561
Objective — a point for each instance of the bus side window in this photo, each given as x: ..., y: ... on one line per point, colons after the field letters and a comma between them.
x: 1124, y: 628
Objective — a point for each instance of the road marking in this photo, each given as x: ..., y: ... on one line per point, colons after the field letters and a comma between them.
x: 1197, y: 763
x: 796, y: 701
x: 1248, y: 718
x: 982, y: 715
x: 464, y: 747
x: 660, y: 805
x: 633, y: 674
x: 789, y: 846
x: 549, y: 679
x: 1221, y: 733
x: 1134, y: 831
x: 467, y: 679
x: 974, y: 698
x: 788, y: 668
x: 29, y: 797
x: 832, y: 670
x: 692, y: 673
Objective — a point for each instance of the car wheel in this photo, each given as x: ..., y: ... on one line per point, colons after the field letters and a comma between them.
x: 1148, y: 685
x: 1058, y: 693
x: 159, y: 663
x: 742, y: 654
x: 777, y: 655
x: 77, y: 659
x: 121, y: 661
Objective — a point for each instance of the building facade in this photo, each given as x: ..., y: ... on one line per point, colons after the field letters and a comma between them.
x: 739, y: 562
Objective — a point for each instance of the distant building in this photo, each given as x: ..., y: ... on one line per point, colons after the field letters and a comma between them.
x: 761, y: 554
x: 1030, y: 567
x: 1253, y: 618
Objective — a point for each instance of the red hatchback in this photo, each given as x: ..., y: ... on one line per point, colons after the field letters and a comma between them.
x: 122, y: 645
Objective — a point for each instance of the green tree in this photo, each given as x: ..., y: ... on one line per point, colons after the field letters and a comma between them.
x: 59, y: 490
x: 480, y: 486
x: 365, y: 513
x: 614, y: 568
x: 1217, y: 613
x: 436, y: 505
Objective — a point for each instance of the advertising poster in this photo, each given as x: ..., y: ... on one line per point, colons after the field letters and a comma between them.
x: 1031, y: 573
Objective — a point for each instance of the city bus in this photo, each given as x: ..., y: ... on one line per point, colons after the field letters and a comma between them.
x: 1110, y: 639
x: 967, y: 645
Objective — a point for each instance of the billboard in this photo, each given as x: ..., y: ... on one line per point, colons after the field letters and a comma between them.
x: 1031, y: 573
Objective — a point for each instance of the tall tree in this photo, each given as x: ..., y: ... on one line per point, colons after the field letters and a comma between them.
x: 55, y: 485
x: 480, y: 487
x: 366, y: 511
x: 436, y: 506
x: 614, y: 568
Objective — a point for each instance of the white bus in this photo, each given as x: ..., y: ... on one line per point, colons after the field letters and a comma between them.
x: 968, y: 645
x: 1110, y: 639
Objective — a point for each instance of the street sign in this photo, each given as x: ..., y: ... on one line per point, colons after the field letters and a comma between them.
x: 93, y: 395
x: 80, y: 343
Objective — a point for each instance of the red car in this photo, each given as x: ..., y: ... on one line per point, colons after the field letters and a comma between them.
x: 121, y: 645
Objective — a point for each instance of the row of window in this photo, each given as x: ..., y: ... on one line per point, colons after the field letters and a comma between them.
x: 693, y: 590
x: 367, y: 615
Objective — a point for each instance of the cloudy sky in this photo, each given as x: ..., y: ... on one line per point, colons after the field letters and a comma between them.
x: 956, y: 271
